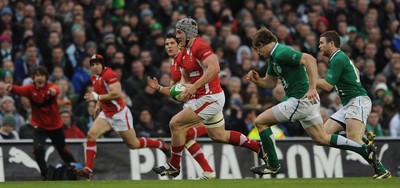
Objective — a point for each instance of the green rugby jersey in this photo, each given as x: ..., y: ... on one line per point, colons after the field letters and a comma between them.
x: 284, y: 63
x: 344, y: 76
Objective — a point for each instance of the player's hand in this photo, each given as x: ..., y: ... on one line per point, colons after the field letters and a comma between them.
x: 183, y: 97
x: 253, y: 76
x: 187, y: 94
x: 312, y: 96
x: 190, y: 89
x: 92, y: 96
x: 8, y: 87
x: 152, y: 82
x: 52, y: 92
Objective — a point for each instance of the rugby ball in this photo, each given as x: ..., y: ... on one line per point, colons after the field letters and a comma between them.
x: 176, y: 90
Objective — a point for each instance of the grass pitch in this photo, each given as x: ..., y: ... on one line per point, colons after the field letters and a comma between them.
x: 242, y: 183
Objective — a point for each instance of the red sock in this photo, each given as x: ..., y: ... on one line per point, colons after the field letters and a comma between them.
x: 201, y: 130
x: 150, y: 143
x: 238, y: 139
x: 195, y: 132
x: 176, y: 156
x: 91, y: 150
x: 198, y: 155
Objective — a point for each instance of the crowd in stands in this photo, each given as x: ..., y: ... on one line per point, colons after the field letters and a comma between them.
x: 61, y: 35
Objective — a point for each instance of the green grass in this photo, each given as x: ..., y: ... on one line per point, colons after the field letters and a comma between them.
x: 242, y: 183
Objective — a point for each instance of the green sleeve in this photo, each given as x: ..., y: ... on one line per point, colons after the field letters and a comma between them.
x: 335, y: 70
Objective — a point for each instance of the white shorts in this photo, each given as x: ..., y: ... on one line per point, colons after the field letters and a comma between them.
x: 358, y: 108
x: 208, y: 107
x: 121, y: 121
x: 298, y: 110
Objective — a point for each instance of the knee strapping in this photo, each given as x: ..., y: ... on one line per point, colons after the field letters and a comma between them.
x: 189, y: 143
x: 216, y: 121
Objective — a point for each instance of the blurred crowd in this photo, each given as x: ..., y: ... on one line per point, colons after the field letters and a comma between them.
x: 61, y: 35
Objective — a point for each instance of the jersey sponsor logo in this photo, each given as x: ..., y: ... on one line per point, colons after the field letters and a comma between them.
x: 112, y: 79
x: 277, y: 68
x: 294, y: 57
x: 194, y: 73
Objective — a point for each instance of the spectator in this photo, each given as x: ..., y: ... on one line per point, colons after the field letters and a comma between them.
x: 7, y: 76
x: 6, y: 51
x: 147, y: 126
x: 76, y: 50
x: 7, y: 106
x: 395, y: 125
x: 368, y: 76
x: 87, y: 118
x: 81, y: 75
x: 7, y: 131
x: 379, y: 89
x: 26, y: 131
x: 71, y: 130
x: 245, y: 123
x: 29, y: 61
x: 58, y: 59
x: 137, y: 80
x: 373, y: 124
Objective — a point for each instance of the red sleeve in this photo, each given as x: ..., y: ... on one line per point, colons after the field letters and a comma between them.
x: 22, y: 90
x: 203, y: 51
x: 111, y: 77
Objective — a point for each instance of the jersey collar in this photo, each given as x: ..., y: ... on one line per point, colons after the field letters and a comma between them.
x: 273, y: 49
x: 333, y: 55
x: 104, y: 70
x: 177, y: 54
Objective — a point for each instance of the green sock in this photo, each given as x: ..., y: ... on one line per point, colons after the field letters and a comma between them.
x: 268, y: 142
x: 381, y: 167
x: 341, y: 142
x: 364, y: 138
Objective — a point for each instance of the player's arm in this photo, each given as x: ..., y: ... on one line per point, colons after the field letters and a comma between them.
x: 212, y: 70
x: 164, y: 90
x: 19, y: 90
x: 324, y: 85
x: 54, y: 91
x: 310, y: 63
x: 332, y: 76
x: 268, y: 81
x: 114, y: 92
x: 153, y: 83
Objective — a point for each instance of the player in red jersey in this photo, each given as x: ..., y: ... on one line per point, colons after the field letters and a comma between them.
x: 204, y: 98
x: 173, y: 51
x: 46, y: 118
x: 113, y: 115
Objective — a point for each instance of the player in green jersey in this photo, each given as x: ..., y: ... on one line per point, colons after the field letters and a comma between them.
x: 298, y: 74
x: 344, y: 77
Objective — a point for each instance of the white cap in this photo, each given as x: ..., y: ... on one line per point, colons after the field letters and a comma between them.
x: 379, y: 86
